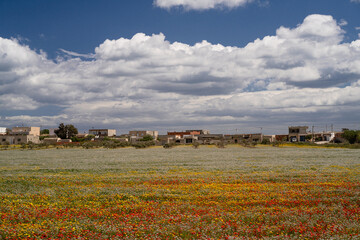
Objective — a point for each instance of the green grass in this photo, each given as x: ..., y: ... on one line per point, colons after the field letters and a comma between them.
x: 233, y: 158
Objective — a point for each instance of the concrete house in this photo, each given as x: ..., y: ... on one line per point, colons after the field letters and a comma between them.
x: 180, y: 135
x: 137, y: 135
x: 166, y: 139
x: 251, y: 137
x: 270, y: 138
x: 19, y: 135
x: 103, y: 132
x: 298, y: 133
x: 210, y: 138
x: 25, y: 131
x: 189, y: 139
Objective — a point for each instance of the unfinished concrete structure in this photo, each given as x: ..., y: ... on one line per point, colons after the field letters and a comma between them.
x: 19, y: 135
x: 210, y: 138
x: 298, y: 133
x: 250, y: 137
x: 103, y: 132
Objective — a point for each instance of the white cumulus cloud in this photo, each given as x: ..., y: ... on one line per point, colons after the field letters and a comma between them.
x: 297, y: 75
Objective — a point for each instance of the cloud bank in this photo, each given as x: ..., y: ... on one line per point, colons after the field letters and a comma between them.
x: 303, y: 74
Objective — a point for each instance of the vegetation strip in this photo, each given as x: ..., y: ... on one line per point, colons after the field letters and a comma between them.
x: 250, y: 193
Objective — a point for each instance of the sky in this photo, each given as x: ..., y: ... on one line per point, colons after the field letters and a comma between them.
x: 230, y: 66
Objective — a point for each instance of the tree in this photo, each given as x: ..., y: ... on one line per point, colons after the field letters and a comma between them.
x: 66, y: 131
x: 44, y: 131
x: 147, y: 138
x: 350, y: 135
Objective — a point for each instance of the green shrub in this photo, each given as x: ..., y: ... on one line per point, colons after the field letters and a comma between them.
x: 352, y: 136
x: 196, y: 145
x: 144, y: 144
x: 220, y: 144
x: 147, y: 138
x: 169, y: 145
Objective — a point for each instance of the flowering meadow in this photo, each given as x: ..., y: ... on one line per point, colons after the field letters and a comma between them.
x: 180, y: 193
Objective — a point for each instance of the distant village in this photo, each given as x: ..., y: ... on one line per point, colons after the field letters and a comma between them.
x: 26, y: 135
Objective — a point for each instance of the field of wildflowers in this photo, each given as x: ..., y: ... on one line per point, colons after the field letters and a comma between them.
x: 180, y: 193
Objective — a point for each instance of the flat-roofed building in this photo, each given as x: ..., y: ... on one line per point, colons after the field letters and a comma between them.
x: 298, y: 133
x: 182, y: 134
x: 19, y: 135
x: 103, y: 132
x: 141, y: 134
x: 251, y: 137
x: 19, y: 139
x: 269, y: 138
x: 166, y: 139
x: 210, y: 138
x: 25, y: 131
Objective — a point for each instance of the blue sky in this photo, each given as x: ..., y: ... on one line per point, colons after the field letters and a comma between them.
x: 162, y: 65
x: 82, y: 25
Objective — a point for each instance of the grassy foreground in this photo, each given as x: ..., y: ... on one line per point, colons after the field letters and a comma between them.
x: 180, y: 193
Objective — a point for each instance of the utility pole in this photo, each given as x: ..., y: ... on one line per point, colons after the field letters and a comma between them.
x: 313, y: 135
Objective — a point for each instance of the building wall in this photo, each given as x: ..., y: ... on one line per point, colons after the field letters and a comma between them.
x: 2, y: 130
x: 26, y: 130
x: 19, y: 139
x: 254, y: 137
x: 141, y: 134
x: 210, y: 138
x: 271, y: 138
x: 166, y: 139
x: 202, y: 131
x: 112, y: 132
x: 103, y: 132
x: 298, y: 133
x: 298, y: 130
x: 182, y: 134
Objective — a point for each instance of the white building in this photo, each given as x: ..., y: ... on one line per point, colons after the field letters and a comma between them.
x: 2, y: 130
